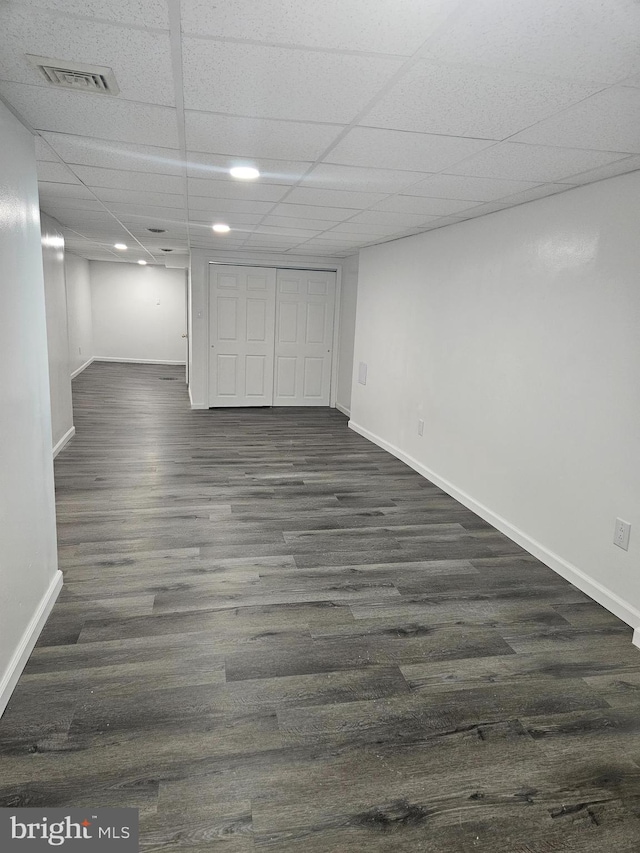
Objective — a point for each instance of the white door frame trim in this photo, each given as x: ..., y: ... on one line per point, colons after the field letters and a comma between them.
x: 277, y: 262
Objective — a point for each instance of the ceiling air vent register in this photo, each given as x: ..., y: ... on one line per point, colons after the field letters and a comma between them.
x: 74, y: 75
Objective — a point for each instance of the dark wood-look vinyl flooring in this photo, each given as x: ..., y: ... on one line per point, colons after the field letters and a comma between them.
x: 274, y: 635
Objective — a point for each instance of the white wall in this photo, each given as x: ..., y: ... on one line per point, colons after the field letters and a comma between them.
x: 348, y: 299
x: 57, y: 335
x: 79, y: 321
x: 29, y: 580
x: 516, y: 336
x: 138, y: 312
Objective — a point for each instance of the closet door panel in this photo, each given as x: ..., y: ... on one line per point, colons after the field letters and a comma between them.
x: 241, y: 335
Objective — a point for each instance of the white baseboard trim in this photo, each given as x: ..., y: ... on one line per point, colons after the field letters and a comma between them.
x: 343, y: 409
x: 66, y: 438
x: 193, y: 405
x: 81, y: 368
x: 136, y: 360
x: 573, y: 574
x: 28, y: 641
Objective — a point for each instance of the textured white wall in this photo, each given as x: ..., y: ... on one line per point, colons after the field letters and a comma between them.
x: 79, y: 319
x: 516, y: 337
x: 348, y: 299
x: 138, y: 312
x: 57, y: 334
x: 28, y: 560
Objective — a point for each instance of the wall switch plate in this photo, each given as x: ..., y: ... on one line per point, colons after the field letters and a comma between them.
x: 362, y: 373
x: 621, y: 534
x: 420, y: 426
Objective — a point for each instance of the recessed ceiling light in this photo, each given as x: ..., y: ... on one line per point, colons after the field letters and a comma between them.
x: 121, y: 246
x: 244, y: 173
x: 142, y: 263
x: 221, y: 228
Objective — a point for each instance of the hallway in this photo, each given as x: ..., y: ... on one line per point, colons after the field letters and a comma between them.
x: 273, y: 634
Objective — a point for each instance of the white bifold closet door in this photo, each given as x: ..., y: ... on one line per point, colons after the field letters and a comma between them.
x: 270, y: 335
x: 304, y: 337
x: 241, y: 335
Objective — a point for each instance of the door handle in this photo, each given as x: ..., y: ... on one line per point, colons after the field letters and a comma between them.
x: 185, y: 336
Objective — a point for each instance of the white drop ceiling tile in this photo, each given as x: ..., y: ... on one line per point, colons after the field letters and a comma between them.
x: 537, y: 192
x: 251, y: 137
x: 139, y: 197
x: 55, y: 173
x: 389, y: 219
x: 355, y: 229
x: 247, y: 190
x: 159, y: 215
x: 217, y: 166
x: 103, y: 153
x: 70, y: 215
x: 50, y: 109
x: 423, y: 205
x: 78, y: 204
x: 310, y: 211
x: 342, y: 239
x: 467, y: 188
x: 354, y: 178
x: 297, y: 222
x: 145, y: 13
x: 537, y: 163
x: 324, y: 246
x: 333, y: 198
x: 130, y: 181
x: 286, y: 233
x: 576, y: 39
x: 607, y: 121
x: 358, y: 25
x: 620, y: 167
x: 228, y: 205
x: 484, y: 209
x: 280, y: 83
x: 396, y: 149
x: 56, y: 189
x: 232, y: 219
x: 471, y: 101
x: 43, y: 151
x: 141, y: 60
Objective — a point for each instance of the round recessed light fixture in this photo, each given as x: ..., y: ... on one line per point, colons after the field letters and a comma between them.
x: 244, y: 173
x: 221, y: 228
x: 142, y: 263
x: 121, y: 246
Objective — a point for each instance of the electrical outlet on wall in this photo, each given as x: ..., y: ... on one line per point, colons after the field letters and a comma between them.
x: 420, y: 426
x: 621, y: 534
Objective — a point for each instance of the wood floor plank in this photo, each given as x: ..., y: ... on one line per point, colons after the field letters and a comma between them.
x: 275, y: 635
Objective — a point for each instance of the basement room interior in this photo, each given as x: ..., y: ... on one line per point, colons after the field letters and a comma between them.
x: 320, y: 490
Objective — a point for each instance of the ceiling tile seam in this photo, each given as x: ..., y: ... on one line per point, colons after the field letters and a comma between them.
x: 76, y: 16
x: 294, y: 46
x: 81, y: 94
x: 88, y: 239
x: 120, y: 171
x: 556, y: 114
x: 429, y: 59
